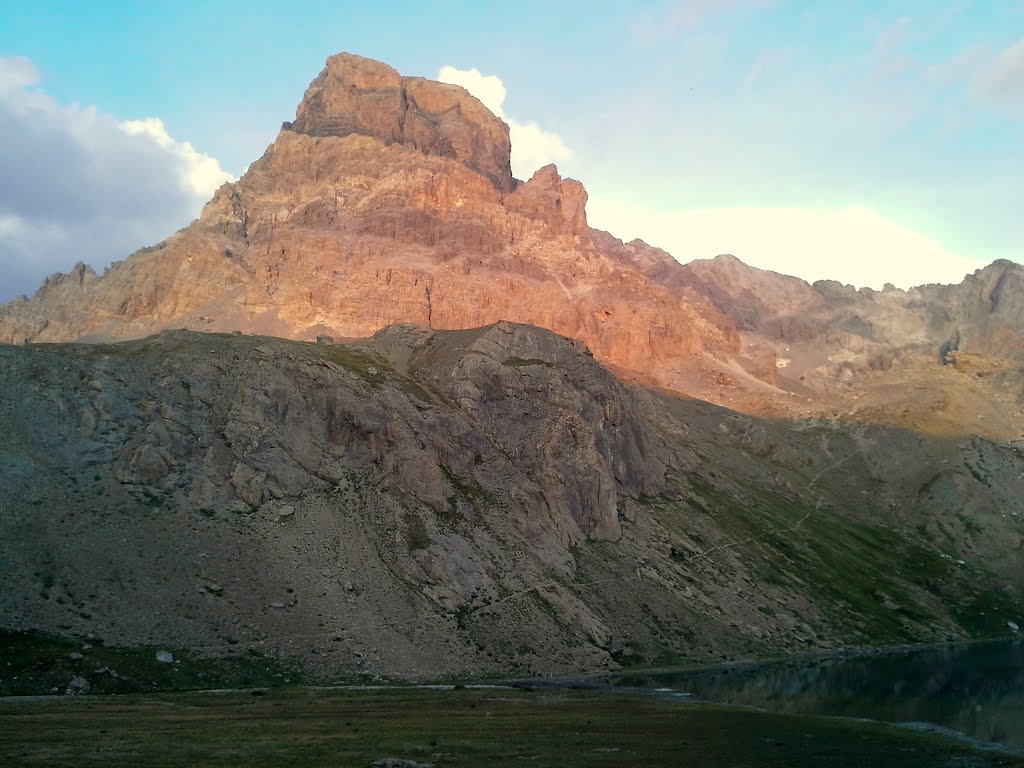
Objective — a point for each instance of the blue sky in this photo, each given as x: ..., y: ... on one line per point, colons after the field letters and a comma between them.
x: 867, y: 142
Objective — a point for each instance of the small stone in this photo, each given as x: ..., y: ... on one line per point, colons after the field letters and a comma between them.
x: 165, y: 657
x: 76, y: 656
x: 1014, y: 627
x: 77, y: 685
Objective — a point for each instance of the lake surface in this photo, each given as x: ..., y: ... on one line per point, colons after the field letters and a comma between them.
x: 976, y: 689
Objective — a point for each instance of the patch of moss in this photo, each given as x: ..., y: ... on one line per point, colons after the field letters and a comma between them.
x: 985, y: 613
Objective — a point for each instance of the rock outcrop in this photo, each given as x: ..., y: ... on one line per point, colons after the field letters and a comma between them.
x: 354, y: 95
x: 490, y: 501
x: 985, y: 312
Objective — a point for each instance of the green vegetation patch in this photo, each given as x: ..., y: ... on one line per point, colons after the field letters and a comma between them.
x: 985, y: 614
x: 468, y: 491
x: 368, y: 368
x: 33, y: 663
x: 373, y: 370
x: 865, y: 577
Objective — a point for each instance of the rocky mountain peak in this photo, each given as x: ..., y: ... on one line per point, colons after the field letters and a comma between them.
x: 355, y: 95
x: 560, y: 203
x: 390, y: 199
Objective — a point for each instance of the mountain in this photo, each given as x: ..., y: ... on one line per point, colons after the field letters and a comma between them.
x: 984, y: 314
x: 388, y: 199
x: 526, y: 448
x: 944, y: 359
x: 484, y: 502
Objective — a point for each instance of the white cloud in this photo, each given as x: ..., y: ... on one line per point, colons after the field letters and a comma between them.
x: 532, y: 146
x: 852, y: 245
x: 488, y: 88
x: 202, y: 173
x: 79, y: 185
x: 1003, y: 80
x: 16, y: 73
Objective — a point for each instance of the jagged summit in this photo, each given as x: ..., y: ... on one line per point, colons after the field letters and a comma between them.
x: 355, y: 95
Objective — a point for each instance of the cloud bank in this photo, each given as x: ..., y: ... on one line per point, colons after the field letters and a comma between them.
x: 532, y: 146
x: 80, y: 185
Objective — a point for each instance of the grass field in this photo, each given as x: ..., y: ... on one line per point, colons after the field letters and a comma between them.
x: 464, y: 727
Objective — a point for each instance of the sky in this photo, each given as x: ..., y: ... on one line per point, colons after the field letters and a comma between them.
x: 869, y: 143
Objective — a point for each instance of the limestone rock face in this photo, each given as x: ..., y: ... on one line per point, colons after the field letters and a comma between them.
x: 986, y: 310
x: 354, y: 95
x: 388, y: 200
x: 818, y: 333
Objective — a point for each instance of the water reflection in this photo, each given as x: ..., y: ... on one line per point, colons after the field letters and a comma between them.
x: 977, y: 689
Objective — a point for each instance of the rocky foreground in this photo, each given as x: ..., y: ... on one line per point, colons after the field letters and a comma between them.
x: 480, y: 502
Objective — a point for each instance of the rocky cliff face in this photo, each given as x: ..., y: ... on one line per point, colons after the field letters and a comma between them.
x: 354, y: 95
x: 983, y: 315
x: 487, y: 501
x: 832, y: 350
x: 387, y: 200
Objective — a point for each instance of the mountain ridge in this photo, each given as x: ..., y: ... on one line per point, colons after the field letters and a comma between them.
x: 389, y: 199
x: 477, y: 502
